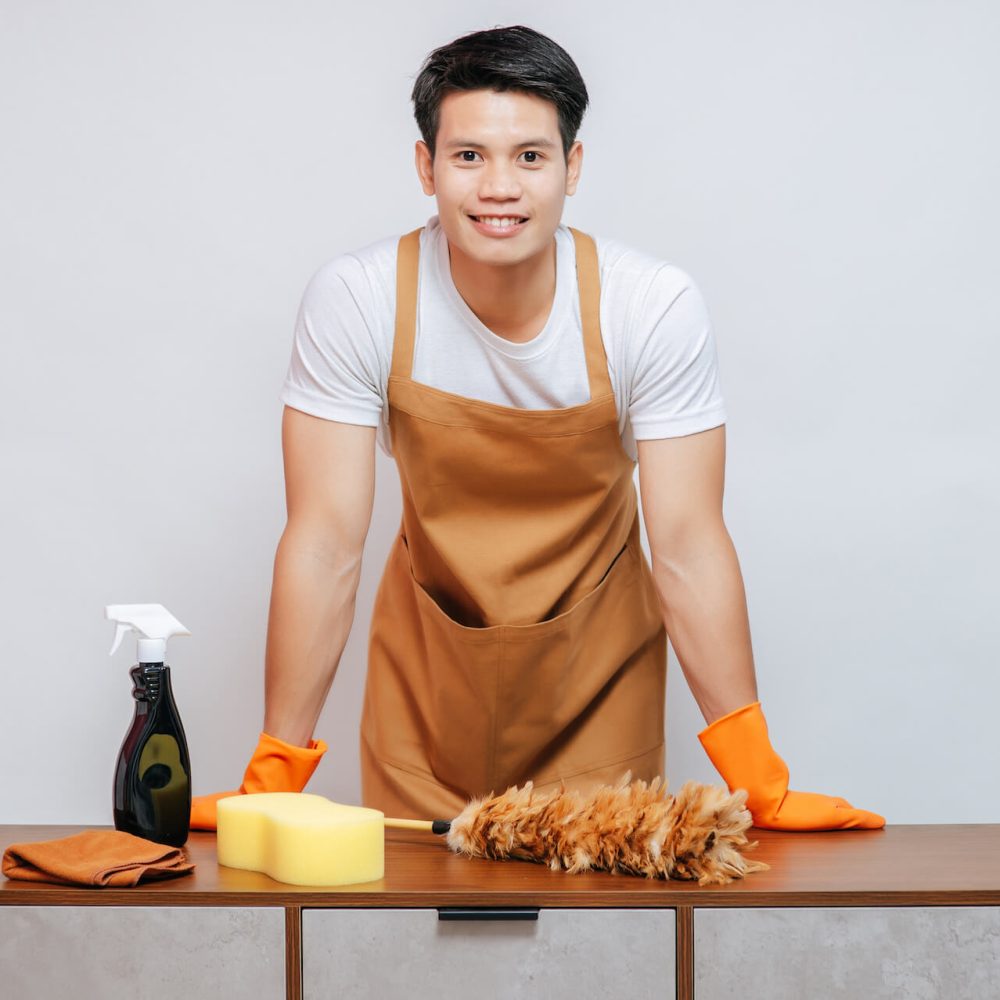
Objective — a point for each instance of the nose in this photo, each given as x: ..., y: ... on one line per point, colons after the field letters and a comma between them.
x: 500, y: 181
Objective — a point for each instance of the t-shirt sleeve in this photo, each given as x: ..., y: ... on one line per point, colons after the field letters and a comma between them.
x: 334, y: 370
x: 675, y: 386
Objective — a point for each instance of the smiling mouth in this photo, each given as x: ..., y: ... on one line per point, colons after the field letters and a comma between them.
x: 499, y: 221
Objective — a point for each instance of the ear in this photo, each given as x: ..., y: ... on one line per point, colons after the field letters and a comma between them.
x: 574, y: 163
x: 425, y: 167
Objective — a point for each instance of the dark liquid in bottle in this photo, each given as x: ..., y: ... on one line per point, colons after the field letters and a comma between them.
x: 152, y: 791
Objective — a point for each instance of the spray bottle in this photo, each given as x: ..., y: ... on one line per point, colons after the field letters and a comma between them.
x: 152, y: 786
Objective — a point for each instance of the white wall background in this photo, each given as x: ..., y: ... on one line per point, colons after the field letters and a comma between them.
x: 172, y: 174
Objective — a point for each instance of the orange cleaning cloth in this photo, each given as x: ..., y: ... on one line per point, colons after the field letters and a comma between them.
x: 95, y: 858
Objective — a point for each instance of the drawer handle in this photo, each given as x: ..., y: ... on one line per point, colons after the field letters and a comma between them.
x: 486, y: 913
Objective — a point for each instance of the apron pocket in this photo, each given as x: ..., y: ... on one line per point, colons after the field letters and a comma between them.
x: 473, y: 633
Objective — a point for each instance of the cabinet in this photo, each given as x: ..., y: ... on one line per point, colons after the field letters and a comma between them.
x: 868, y: 913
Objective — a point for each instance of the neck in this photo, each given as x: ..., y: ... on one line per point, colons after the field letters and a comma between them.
x: 512, y: 300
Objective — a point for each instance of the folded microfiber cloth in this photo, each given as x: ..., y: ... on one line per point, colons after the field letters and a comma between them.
x: 95, y: 858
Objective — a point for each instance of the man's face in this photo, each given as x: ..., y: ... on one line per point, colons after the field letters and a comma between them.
x: 499, y: 154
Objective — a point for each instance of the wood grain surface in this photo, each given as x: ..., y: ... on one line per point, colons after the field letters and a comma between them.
x: 902, y: 865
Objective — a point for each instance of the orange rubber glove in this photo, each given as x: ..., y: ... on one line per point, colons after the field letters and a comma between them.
x: 738, y: 746
x: 276, y: 766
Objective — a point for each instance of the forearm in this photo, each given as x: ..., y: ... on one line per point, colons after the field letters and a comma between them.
x: 312, y: 608
x: 705, y: 613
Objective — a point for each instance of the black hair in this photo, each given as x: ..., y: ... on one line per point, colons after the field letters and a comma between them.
x: 508, y: 58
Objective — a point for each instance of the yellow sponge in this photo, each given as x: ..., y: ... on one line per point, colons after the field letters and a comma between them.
x: 300, y: 838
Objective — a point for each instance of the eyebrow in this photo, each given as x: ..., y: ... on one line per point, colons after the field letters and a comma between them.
x: 472, y: 144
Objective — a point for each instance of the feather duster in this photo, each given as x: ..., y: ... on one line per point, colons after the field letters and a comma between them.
x: 630, y: 827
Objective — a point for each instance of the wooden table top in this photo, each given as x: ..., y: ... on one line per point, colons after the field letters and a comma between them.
x: 900, y: 865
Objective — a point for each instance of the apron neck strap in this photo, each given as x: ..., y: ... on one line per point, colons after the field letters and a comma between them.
x: 588, y: 278
x: 407, y: 268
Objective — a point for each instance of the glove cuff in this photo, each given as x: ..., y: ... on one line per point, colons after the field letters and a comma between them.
x: 754, y: 706
x: 314, y: 749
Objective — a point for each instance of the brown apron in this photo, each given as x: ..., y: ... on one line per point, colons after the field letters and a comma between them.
x: 516, y: 632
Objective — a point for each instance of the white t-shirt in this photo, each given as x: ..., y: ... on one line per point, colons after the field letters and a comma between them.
x: 654, y: 323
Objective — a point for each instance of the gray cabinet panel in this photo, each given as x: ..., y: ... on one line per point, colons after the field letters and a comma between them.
x: 142, y: 952
x: 815, y: 953
x: 400, y: 954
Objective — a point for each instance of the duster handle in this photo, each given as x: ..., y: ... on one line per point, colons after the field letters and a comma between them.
x: 434, y: 825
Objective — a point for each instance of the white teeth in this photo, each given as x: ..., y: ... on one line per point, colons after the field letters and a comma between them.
x: 501, y: 223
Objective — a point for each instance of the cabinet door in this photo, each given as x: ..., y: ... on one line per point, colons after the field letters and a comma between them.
x: 142, y: 952
x: 401, y: 954
x: 918, y: 952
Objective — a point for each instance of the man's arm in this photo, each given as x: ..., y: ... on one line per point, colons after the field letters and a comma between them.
x: 695, y: 567
x: 329, y: 491
x: 704, y: 605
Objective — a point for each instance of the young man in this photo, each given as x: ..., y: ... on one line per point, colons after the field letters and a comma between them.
x: 516, y: 369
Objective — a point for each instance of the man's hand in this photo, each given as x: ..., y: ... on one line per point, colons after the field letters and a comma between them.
x: 739, y: 747
x: 275, y: 766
